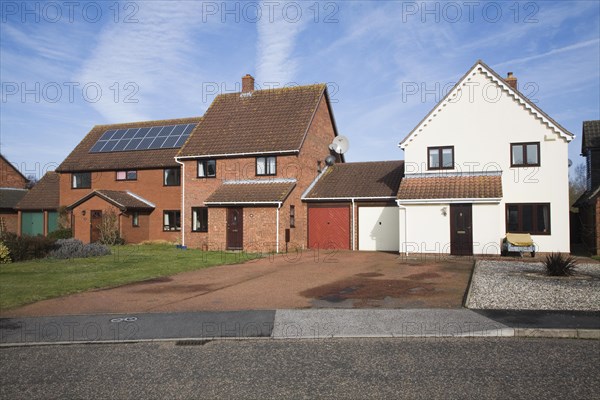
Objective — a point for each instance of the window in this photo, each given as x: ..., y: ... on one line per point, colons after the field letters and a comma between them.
x: 292, y: 216
x: 81, y: 180
x: 127, y: 175
x: 440, y: 157
x: 525, y: 154
x: 266, y: 165
x: 199, y: 219
x: 528, y: 218
x: 172, y: 221
x: 207, y: 168
x: 172, y: 177
x: 135, y: 219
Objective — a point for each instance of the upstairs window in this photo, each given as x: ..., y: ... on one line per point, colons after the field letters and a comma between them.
x: 172, y: 177
x: 207, y: 168
x: 528, y: 218
x: 81, y: 180
x: 292, y: 216
x: 525, y: 154
x: 199, y: 219
x: 266, y: 165
x: 440, y: 157
x: 127, y: 175
x: 172, y: 220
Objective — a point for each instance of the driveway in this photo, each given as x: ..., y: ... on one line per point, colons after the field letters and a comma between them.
x: 307, y: 280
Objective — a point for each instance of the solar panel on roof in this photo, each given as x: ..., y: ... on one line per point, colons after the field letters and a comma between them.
x: 156, y: 137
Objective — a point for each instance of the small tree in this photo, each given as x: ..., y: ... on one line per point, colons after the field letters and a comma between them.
x: 109, y: 228
x: 577, y: 183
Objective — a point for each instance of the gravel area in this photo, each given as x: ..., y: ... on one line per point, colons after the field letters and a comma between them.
x: 523, y: 286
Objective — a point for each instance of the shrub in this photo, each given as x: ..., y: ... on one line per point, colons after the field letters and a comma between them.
x: 62, y: 233
x: 558, y: 264
x: 25, y: 247
x: 109, y: 228
x: 4, y: 254
x: 74, y: 248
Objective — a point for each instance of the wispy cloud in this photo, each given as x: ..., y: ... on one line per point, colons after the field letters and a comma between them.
x: 153, y: 57
x: 276, y: 43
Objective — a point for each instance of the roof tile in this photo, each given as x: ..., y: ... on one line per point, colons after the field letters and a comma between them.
x: 451, y: 187
x: 361, y: 179
x: 267, y: 191
x: 265, y: 121
x: 81, y: 159
x: 44, y: 195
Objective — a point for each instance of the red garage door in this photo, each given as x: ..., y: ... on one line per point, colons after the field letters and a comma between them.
x: 329, y: 228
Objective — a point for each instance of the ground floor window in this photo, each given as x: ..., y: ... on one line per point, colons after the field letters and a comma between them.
x: 172, y: 220
x: 135, y: 219
x: 200, y: 219
x: 531, y: 218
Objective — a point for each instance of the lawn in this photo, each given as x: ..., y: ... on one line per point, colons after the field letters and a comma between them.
x: 26, y: 282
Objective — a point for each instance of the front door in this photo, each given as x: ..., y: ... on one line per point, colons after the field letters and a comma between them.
x: 461, y: 231
x: 235, y: 228
x: 95, y: 221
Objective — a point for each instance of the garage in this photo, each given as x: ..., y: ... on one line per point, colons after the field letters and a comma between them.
x: 378, y: 228
x: 329, y: 227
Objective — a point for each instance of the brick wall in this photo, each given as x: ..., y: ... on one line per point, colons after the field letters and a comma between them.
x: 82, y: 223
x: 259, y: 223
x: 135, y: 234
x: 9, y: 220
x: 149, y: 185
x: 10, y: 176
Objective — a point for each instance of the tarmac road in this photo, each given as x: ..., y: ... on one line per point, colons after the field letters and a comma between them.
x: 334, y: 368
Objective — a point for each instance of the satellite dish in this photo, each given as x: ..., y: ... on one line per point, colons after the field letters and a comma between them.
x: 340, y: 144
x: 330, y: 160
x: 570, y: 162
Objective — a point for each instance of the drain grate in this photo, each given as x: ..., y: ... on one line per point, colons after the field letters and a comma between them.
x: 192, y: 342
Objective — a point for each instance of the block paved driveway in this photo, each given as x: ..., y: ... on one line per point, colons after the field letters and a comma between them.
x: 328, y: 280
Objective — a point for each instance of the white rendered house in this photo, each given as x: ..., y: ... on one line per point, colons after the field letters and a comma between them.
x: 485, y: 161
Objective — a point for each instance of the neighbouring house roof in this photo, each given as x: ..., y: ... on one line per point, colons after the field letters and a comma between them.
x: 124, y: 200
x: 586, y: 197
x: 261, y: 121
x: 591, y: 135
x: 44, y: 195
x: 81, y: 159
x: 499, y: 81
x: 14, y: 168
x: 450, y: 187
x: 252, y: 192
x: 9, y: 197
x: 379, y: 179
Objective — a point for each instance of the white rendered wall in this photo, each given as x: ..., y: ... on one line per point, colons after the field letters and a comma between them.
x: 480, y: 125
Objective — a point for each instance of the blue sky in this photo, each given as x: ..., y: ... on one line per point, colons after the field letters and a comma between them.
x: 66, y: 67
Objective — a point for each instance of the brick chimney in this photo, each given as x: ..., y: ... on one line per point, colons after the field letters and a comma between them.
x: 511, y: 80
x: 247, y: 83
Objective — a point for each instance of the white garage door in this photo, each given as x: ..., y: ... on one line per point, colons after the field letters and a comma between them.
x: 378, y: 228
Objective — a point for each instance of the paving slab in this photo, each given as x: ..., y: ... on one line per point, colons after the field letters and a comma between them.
x: 136, y: 327
x: 314, y: 324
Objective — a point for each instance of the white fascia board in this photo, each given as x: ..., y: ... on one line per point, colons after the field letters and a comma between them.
x: 227, y: 203
x: 347, y: 198
x: 256, y: 153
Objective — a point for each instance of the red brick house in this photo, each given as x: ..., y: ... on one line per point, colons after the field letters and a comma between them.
x: 247, y: 164
x: 128, y: 169
x: 13, y: 186
x: 589, y: 202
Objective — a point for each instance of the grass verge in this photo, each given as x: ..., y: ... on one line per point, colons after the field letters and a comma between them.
x: 30, y: 281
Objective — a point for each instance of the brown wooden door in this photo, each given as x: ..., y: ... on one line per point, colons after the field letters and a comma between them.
x: 95, y: 221
x: 235, y: 228
x: 329, y: 228
x: 461, y: 229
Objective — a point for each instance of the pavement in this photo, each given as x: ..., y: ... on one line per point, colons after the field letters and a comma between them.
x: 198, y: 327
